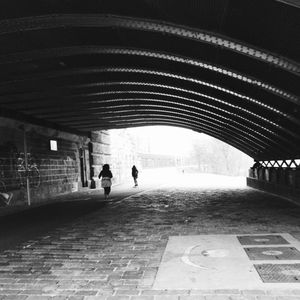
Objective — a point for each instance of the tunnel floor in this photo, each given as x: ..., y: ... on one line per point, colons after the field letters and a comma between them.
x: 117, y: 251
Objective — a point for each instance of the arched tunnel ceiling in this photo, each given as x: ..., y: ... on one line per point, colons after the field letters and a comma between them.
x: 227, y: 68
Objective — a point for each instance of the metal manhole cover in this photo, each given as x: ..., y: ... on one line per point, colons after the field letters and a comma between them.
x: 279, y: 273
x: 262, y: 240
x: 273, y: 253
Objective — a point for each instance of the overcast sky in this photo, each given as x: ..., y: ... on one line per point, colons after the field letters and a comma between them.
x: 169, y: 140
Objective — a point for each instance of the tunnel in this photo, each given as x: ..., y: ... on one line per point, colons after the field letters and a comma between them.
x: 226, y: 68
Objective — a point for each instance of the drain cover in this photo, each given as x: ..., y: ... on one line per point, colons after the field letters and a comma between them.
x: 279, y: 273
x: 262, y: 240
x: 273, y: 253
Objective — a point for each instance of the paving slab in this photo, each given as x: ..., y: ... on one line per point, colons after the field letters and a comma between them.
x: 216, y: 262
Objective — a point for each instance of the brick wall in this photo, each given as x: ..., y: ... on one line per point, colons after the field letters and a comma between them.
x: 50, y: 172
x: 100, y: 154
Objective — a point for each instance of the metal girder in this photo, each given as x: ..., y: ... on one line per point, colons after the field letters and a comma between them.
x: 37, y: 105
x: 13, y: 58
x: 232, y: 112
x: 90, y: 71
x: 156, y: 73
x: 245, y: 116
x: 45, y: 22
x: 112, y: 111
x: 29, y: 97
x: 242, y: 137
x: 176, y: 120
x: 150, y: 72
x: 67, y: 91
x: 191, y: 107
x: 113, y: 104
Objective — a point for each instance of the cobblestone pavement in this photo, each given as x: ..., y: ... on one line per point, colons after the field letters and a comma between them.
x: 114, y: 253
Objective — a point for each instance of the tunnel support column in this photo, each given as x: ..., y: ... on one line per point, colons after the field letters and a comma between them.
x: 281, y: 179
x: 100, y: 153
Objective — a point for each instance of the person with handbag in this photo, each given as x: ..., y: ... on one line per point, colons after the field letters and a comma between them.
x: 106, y: 176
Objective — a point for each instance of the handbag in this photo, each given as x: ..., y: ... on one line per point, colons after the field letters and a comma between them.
x: 105, y: 182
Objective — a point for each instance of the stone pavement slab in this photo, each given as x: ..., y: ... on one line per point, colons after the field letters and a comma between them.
x: 220, y: 261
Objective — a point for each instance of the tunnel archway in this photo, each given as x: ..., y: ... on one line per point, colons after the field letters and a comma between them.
x: 226, y: 68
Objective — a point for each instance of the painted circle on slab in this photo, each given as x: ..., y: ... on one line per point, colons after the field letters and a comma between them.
x: 215, y: 253
x: 195, y: 256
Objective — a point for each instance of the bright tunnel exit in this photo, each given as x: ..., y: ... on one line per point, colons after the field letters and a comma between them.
x: 173, y: 155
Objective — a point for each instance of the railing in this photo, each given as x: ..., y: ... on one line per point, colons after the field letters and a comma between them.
x: 288, y: 163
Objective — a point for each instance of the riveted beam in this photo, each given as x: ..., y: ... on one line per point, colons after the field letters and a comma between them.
x: 72, y: 92
x: 105, y: 105
x: 13, y: 84
x: 221, y: 107
x: 36, y: 106
x: 113, y: 115
x: 210, y: 129
x: 45, y: 22
x: 148, y: 72
x: 181, y: 77
x: 13, y: 58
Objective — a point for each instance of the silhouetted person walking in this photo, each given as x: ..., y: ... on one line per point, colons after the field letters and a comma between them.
x: 134, y: 173
x: 106, y: 180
